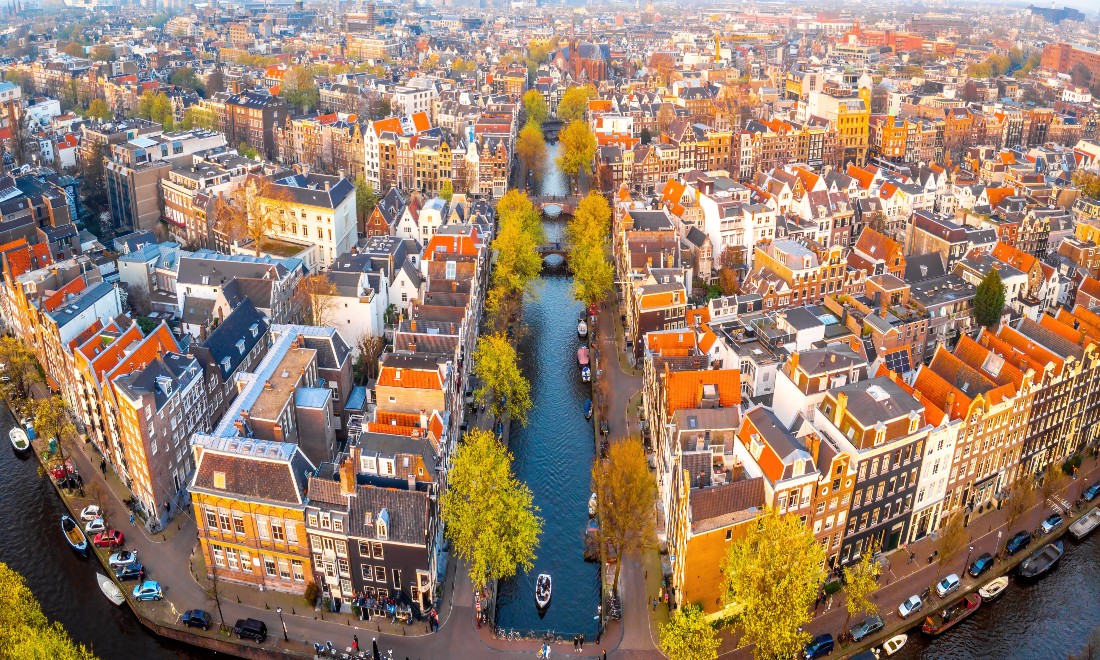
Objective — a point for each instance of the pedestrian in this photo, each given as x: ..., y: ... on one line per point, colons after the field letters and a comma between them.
x: 355, y: 643
x: 911, y: 557
x: 131, y: 518
x: 574, y: 643
x: 668, y: 603
x: 582, y: 641
x: 661, y: 593
x: 654, y: 604
x: 103, y: 467
x: 829, y: 605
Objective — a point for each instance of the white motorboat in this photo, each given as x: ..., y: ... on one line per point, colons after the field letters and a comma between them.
x: 592, y: 506
x: 994, y: 588
x: 894, y: 644
x: 110, y: 589
x: 543, y: 590
x: 1086, y: 524
x: 19, y: 440
x: 582, y: 329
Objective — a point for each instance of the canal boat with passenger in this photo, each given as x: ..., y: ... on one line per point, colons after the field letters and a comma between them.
x: 543, y: 591
x: 940, y: 622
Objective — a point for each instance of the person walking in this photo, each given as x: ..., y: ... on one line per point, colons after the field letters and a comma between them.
x: 582, y: 641
x: 355, y: 643
x: 131, y: 518
x: 654, y: 604
x: 103, y: 467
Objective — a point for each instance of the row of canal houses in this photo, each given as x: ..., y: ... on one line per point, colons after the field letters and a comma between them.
x: 283, y: 499
x: 747, y: 407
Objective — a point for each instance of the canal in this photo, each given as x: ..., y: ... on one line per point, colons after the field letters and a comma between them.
x: 1050, y: 618
x: 64, y: 583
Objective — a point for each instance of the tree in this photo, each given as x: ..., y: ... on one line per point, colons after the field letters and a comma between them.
x: 587, y: 237
x: 447, y: 190
x: 215, y: 82
x: 489, y: 515
x: 186, y: 78
x: 531, y: 149
x: 876, y: 220
x: 574, y: 103
x: 137, y: 296
x: 1021, y: 498
x: 534, y: 105
x: 578, y: 149
x: 365, y: 199
x: 52, y: 420
x: 155, y: 106
x: 503, y: 387
x: 1088, y: 183
x: 861, y: 580
x: 104, y: 53
x: 315, y: 299
x: 195, y: 117
x: 251, y: 210
x: 19, y: 364
x: 25, y: 632
x: 299, y: 89
x: 98, y: 109
x: 1054, y: 481
x: 989, y: 299
x: 73, y: 49
x: 951, y: 540
x: 370, y: 349
x: 518, y: 261
x: 1080, y: 75
x: 666, y: 114
x: 646, y: 136
x: 247, y: 151
x: 729, y: 278
x: 627, y: 499
x: 970, y: 92
x: 688, y: 635
x: 773, y: 574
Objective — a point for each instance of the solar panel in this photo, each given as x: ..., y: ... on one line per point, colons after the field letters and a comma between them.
x: 898, y: 361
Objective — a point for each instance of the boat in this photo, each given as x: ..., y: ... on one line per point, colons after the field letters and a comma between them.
x: 994, y: 589
x: 588, y: 408
x: 543, y: 589
x: 110, y: 589
x: 586, y: 375
x: 74, y: 535
x: 592, y: 506
x: 1086, y: 524
x: 1042, y: 560
x: 582, y: 329
x: 940, y: 622
x: 894, y: 644
x: 582, y: 356
x: 19, y: 440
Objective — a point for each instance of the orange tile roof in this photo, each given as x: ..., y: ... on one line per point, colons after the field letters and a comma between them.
x: 672, y: 192
x: 391, y: 125
x: 1022, y: 343
x: 410, y: 379
x: 1090, y: 287
x: 656, y: 300
x: 932, y: 412
x: 95, y: 327
x: 447, y: 244
x: 159, y: 341
x: 862, y: 176
x: 397, y: 418
x: 976, y: 355
x: 684, y: 389
x: 1013, y: 356
x: 108, y: 356
x: 995, y: 195
x: 58, y: 298
x: 1075, y: 335
x: 421, y: 122
x: 669, y: 344
x: 935, y: 389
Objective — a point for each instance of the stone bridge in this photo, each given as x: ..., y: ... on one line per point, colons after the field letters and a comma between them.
x: 566, y: 204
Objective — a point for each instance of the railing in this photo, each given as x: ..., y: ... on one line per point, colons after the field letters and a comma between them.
x: 540, y: 636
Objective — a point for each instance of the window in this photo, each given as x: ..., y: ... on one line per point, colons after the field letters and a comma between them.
x: 376, y: 551
x: 223, y: 516
x: 342, y: 548
x: 326, y: 521
x: 396, y: 575
x: 296, y: 568
x: 261, y: 527
x: 277, y: 530
x: 337, y: 524
x: 729, y: 534
x: 292, y: 533
x: 364, y: 549
x: 380, y: 574
x: 219, y: 557
x: 368, y: 572
x: 284, y: 569
x: 211, y: 519
x: 311, y: 520
x: 232, y: 554
x: 238, y: 524
x: 343, y: 566
x: 246, y: 561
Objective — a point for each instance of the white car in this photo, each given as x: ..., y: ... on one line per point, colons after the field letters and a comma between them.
x: 911, y: 604
x: 95, y: 526
x: 947, y: 585
x: 90, y: 512
x: 122, y: 558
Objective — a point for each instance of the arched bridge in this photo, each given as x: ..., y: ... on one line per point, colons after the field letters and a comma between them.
x: 564, y: 205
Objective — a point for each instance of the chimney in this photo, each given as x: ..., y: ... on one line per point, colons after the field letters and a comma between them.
x: 813, y: 445
x: 326, y: 186
x: 347, y: 476
x: 244, y: 415
x: 423, y: 420
x: 240, y: 427
x: 841, y: 406
x: 412, y: 481
x: 267, y: 384
x: 948, y: 403
x: 412, y: 325
x: 793, y: 365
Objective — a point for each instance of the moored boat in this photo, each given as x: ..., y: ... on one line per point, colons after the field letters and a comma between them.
x: 543, y: 591
x: 19, y: 440
x: 582, y: 329
x: 1086, y: 524
x: 1042, y: 560
x: 940, y: 622
x: 74, y: 535
x: 588, y: 408
x: 582, y: 356
x: 586, y: 374
x: 110, y: 589
x: 994, y: 588
x: 592, y: 506
x: 894, y: 644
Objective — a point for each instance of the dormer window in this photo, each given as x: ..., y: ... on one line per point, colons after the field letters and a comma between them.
x: 240, y: 346
x: 225, y: 364
x: 382, y: 525
x: 254, y: 329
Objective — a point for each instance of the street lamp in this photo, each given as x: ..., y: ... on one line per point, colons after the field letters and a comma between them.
x: 970, y: 551
x: 279, y: 610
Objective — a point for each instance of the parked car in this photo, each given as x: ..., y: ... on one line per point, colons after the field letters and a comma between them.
x: 196, y: 619
x: 90, y: 512
x: 819, y: 647
x: 947, y: 585
x: 148, y: 590
x: 1051, y: 523
x: 1091, y: 492
x: 134, y: 571
x: 870, y: 626
x: 111, y: 538
x: 1018, y: 542
x: 250, y: 628
x: 981, y: 565
x: 911, y: 604
x: 121, y: 558
x: 95, y: 526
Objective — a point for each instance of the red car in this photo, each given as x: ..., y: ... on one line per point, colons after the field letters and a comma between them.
x: 111, y: 538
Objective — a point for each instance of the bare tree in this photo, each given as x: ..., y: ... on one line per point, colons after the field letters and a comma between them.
x: 370, y: 349
x: 140, y: 301
x: 315, y: 299
x: 252, y: 210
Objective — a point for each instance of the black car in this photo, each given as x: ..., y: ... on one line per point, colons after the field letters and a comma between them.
x: 819, y: 647
x: 1018, y: 542
x: 131, y: 571
x: 870, y: 626
x: 1091, y: 492
x: 196, y: 619
x: 250, y: 628
x: 981, y: 565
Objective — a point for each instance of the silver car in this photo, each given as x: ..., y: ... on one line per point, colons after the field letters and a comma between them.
x: 911, y: 604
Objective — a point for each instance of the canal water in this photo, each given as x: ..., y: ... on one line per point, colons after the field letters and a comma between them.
x: 63, y: 583
x: 1048, y: 619
x: 553, y: 456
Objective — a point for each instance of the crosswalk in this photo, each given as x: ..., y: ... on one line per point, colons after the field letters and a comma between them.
x: 1058, y: 504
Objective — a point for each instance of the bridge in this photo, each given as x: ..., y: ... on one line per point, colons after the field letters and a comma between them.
x: 566, y: 204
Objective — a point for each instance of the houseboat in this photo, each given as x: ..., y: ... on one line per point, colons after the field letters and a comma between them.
x: 940, y: 622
